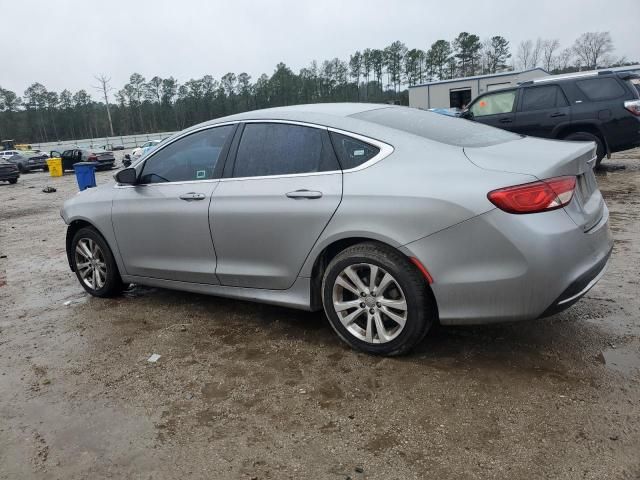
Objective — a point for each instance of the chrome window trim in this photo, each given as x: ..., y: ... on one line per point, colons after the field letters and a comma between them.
x: 385, y: 151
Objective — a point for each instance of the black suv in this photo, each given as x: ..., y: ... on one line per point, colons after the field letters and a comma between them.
x: 603, y: 107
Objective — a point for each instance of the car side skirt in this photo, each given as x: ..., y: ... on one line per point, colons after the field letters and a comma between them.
x: 298, y: 296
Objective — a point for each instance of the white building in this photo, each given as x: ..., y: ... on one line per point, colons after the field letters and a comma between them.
x: 458, y: 92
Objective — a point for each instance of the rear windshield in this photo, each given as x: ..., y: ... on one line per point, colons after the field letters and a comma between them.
x: 440, y: 128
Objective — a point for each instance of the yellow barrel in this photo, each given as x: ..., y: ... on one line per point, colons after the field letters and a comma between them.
x: 55, y: 167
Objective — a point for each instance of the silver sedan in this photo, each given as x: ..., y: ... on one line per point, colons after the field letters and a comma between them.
x: 388, y: 218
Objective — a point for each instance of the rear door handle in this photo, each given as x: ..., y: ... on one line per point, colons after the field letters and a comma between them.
x: 191, y: 196
x: 309, y: 194
x: 558, y: 114
x: 506, y: 120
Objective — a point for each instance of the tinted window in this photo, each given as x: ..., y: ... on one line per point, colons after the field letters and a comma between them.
x: 191, y: 158
x: 541, y: 98
x: 494, y: 104
x: 352, y: 152
x: 634, y: 83
x: 281, y: 149
x: 436, y: 127
x: 600, y: 88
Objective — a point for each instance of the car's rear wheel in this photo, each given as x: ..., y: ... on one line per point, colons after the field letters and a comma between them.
x: 376, y: 299
x: 589, y: 137
x: 13, y: 181
x: 94, y: 264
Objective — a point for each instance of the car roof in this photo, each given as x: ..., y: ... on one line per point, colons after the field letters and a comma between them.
x: 382, y: 122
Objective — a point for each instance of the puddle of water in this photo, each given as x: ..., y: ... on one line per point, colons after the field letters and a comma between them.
x: 622, y: 360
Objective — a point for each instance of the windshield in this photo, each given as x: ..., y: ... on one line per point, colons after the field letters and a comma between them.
x: 440, y: 128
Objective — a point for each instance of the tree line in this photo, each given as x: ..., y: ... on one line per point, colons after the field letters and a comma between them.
x: 371, y: 75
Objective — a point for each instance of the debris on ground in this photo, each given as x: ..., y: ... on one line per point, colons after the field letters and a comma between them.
x: 154, y: 358
x: 49, y: 189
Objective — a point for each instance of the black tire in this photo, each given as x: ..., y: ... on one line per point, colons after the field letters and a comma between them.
x: 589, y: 137
x: 45, y: 168
x: 421, y: 307
x: 13, y: 181
x: 113, y: 283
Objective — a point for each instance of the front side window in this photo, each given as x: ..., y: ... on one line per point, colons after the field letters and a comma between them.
x: 494, y: 104
x: 282, y: 149
x: 542, y: 98
x: 351, y: 151
x: 597, y: 89
x: 193, y: 157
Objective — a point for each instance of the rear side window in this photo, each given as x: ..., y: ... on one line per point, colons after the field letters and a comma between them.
x: 596, y: 89
x: 351, y: 151
x: 282, y: 149
x: 542, y: 98
x: 193, y: 157
x: 494, y: 104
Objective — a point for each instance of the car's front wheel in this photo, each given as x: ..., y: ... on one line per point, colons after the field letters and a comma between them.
x: 376, y: 299
x: 94, y: 264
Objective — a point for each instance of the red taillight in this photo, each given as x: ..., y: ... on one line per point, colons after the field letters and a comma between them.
x: 633, y: 106
x: 534, y: 197
x: 92, y: 158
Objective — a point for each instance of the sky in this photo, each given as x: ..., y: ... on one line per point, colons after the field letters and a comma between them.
x: 65, y: 43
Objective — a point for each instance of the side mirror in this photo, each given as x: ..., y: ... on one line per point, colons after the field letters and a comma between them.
x: 128, y: 176
x: 466, y: 114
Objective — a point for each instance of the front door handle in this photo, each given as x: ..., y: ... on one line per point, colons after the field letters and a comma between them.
x: 558, y: 114
x: 309, y: 194
x: 191, y: 196
x: 506, y: 120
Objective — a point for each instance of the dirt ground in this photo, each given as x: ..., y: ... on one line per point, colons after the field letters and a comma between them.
x: 247, y: 391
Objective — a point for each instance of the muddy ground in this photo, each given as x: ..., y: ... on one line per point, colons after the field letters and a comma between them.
x: 247, y: 391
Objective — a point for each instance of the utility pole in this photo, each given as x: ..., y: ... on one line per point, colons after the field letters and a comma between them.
x: 105, y: 88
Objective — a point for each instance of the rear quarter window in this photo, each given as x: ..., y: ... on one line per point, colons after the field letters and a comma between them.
x: 351, y: 151
x: 439, y: 128
x: 597, y: 89
x: 634, y: 83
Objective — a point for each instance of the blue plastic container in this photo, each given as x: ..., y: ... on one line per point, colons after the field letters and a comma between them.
x: 85, y: 174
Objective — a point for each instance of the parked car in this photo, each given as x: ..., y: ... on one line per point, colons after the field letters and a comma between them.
x: 104, y: 160
x: 450, y: 112
x: 118, y: 147
x: 5, y: 154
x: 8, y: 171
x: 27, y: 161
x: 602, y: 107
x: 390, y: 218
x: 144, y: 148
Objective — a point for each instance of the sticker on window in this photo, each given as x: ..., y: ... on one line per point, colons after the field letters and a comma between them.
x: 358, y: 153
x: 201, y: 174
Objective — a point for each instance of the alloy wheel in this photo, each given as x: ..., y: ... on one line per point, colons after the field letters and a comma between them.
x: 90, y: 263
x: 370, y: 303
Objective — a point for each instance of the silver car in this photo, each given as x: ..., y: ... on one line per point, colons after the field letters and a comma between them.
x: 388, y: 218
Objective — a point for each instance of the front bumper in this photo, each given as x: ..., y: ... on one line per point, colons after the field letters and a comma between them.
x: 500, y: 267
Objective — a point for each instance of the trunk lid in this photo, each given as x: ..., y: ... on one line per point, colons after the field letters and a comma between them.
x: 546, y: 159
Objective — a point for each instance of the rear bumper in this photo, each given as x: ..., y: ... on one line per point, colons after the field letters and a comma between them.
x: 499, y: 267
x: 578, y: 288
x: 105, y: 164
x: 9, y: 175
